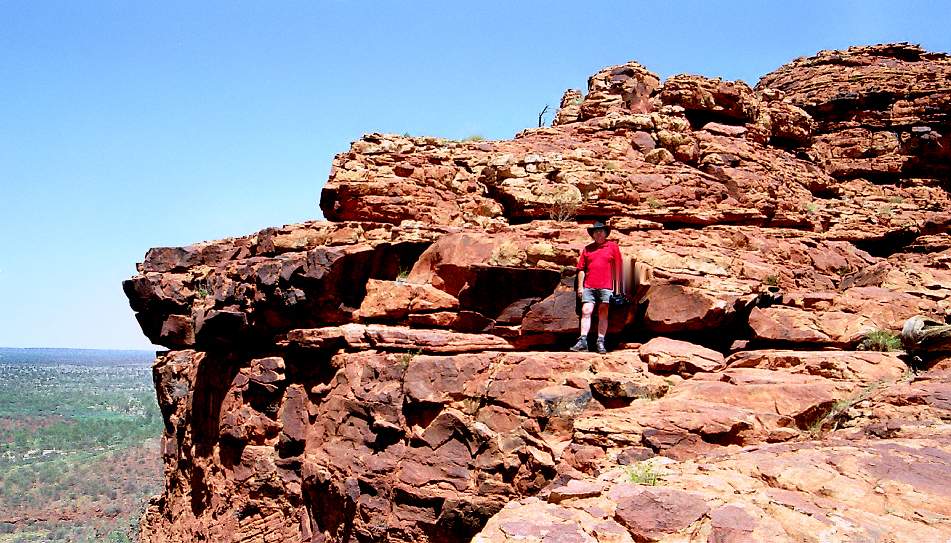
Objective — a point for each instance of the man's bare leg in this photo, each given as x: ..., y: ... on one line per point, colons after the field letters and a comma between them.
x: 602, y: 320
x: 587, y: 309
x: 603, y: 310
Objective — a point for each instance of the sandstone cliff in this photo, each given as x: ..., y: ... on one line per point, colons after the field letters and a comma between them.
x: 397, y: 373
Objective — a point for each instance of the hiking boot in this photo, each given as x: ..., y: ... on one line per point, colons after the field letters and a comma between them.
x: 581, y: 346
x: 601, y: 349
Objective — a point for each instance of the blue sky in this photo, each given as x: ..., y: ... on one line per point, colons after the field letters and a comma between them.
x: 127, y: 125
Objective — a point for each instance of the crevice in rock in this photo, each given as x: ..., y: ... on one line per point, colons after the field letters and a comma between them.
x: 309, y: 368
x: 889, y: 244
x: 775, y: 344
x: 492, y: 191
x: 612, y: 403
x: 724, y: 439
x: 288, y: 449
x: 230, y: 451
x: 790, y: 145
x: 329, y: 508
x: 464, y: 164
x: 875, y: 177
x: 830, y: 192
x: 698, y: 118
x: 327, y: 294
x: 385, y: 437
x: 896, y: 241
x: 811, y: 417
x: 672, y: 225
x: 491, y: 289
x: 517, y: 221
x: 404, y: 499
x: 846, y: 106
x: 719, y: 338
x: 247, y: 510
x: 931, y: 164
x: 401, y: 257
x: 686, y: 225
x: 461, y: 520
x: 200, y: 495
x: 212, y: 380
x: 264, y: 400
x: 366, y: 488
x: 421, y: 414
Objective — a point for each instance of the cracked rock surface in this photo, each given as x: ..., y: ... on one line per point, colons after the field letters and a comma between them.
x: 398, y: 372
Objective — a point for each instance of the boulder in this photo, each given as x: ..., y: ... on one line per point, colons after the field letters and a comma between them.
x: 397, y: 299
x: 652, y: 514
x: 713, y: 98
x: 846, y: 365
x: 664, y: 355
x: 627, y: 87
x: 791, y: 325
x: 679, y: 308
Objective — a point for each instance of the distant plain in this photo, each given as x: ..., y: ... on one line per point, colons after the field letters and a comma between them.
x: 79, y: 451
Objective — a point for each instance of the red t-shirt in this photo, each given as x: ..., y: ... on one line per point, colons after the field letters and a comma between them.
x: 597, y: 261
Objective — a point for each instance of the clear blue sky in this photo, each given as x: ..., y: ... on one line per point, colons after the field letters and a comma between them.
x: 126, y: 125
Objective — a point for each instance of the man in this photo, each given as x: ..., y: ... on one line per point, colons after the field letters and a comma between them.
x: 599, y: 274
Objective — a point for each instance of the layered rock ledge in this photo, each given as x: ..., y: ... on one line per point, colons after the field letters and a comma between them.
x: 397, y: 372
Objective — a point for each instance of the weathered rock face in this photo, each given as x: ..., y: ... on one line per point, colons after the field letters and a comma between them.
x: 882, y: 111
x: 398, y: 373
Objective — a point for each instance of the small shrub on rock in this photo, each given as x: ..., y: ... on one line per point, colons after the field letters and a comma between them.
x: 643, y: 473
x: 880, y: 340
x: 563, y: 207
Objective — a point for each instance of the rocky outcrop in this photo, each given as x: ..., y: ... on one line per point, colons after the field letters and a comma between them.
x: 881, y: 110
x: 398, y: 372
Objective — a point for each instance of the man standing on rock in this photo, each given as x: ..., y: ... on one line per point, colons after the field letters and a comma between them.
x: 599, y: 275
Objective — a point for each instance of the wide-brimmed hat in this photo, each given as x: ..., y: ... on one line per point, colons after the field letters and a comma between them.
x: 598, y: 225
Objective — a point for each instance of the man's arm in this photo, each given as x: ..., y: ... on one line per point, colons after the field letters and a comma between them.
x: 582, y: 266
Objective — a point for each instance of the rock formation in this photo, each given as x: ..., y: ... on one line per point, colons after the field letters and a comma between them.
x: 397, y: 372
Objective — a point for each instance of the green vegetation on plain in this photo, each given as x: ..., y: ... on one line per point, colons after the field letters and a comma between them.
x: 78, y: 450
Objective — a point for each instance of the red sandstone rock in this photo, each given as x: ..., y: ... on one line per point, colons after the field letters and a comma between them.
x: 676, y: 308
x: 527, y: 180
x: 627, y: 87
x: 848, y: 491
x: 724, y: 129
x: 651, y: 514
x: 789, y: 325
x: 852, y: 366
x: 462, y: 321
x: 555, y: 313
x: 881, y: 110
x: 376, y: 336
x: 828, y: 185
x: 665, y: 355
x: 573, y: 490
x: 397, y: 299
x: 621, y: 387
x: 570, y: 108
x: 696, y: 416
x: 719, y: 99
